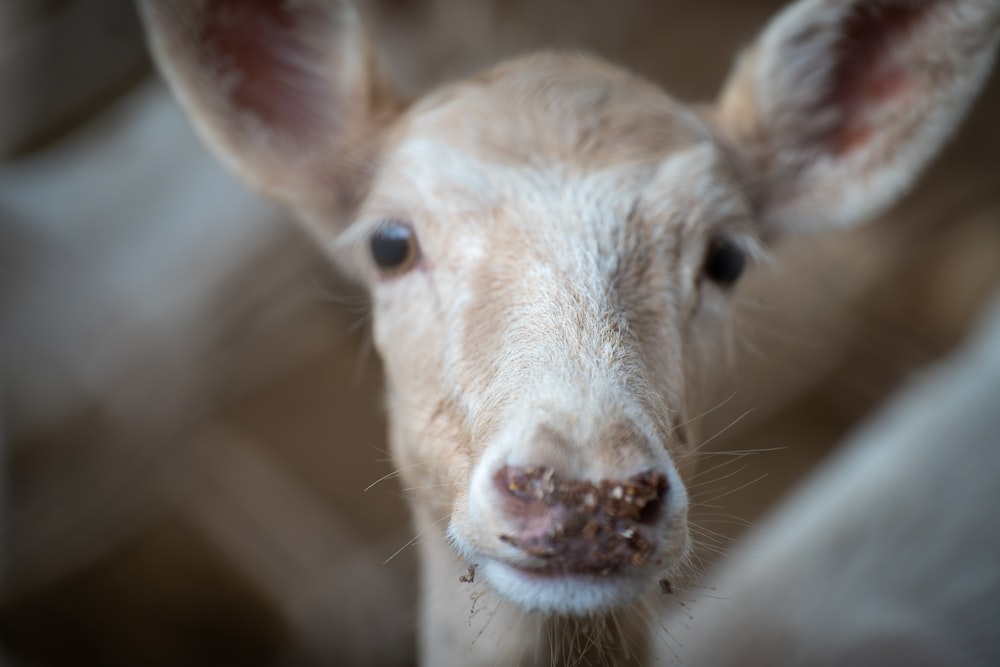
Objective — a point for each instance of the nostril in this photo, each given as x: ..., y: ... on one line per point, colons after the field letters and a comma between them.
x: 639, y: 498
x: 652, y: 508
x: 585, y: 526
x: 526, y: 483
x: 650, y: 512
x: 644, y: 491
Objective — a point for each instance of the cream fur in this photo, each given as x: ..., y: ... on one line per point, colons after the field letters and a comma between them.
x: 558, y: 314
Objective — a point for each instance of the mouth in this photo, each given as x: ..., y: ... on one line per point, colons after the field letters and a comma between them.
x: 567, y: 546
x: 599, y: 546
x: 564, y: 591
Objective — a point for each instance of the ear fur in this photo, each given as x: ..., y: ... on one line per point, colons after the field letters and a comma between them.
x: 842, y: 103
x: 287, y: 92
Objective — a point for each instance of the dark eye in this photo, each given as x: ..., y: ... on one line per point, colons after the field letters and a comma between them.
x: 724, y: 262
x: 393, y: 246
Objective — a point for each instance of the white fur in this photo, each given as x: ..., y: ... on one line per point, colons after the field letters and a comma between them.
x: 564, y: 210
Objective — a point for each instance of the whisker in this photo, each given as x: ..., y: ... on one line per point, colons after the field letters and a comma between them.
x: 623, y: 640
x: 430, y: 486
x: 673, y: 640
x: 489, y: 620
x: 709, y: 411
x: 722, y: 519
x: 389, y: 457
x: 414, y: 539
x: 714, y: 535
x: 713, y: 548
x: 730, y: 460
x: 724, y: 429
x: 741, y: 452
x: 713, y: 480
x: 395, y: 473
x: 738, y: 488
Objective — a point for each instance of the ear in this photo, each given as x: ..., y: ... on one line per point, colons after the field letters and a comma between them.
x: 287, y: 92
x: 842, y: 103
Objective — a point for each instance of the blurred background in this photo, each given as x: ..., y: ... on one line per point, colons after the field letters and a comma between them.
x: 190, y: 411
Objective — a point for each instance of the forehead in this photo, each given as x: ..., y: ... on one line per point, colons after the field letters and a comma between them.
x: 555, y: 108
x: 567, y: 141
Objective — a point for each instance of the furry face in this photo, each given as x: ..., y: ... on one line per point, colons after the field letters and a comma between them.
x: 558, y: 304
x: 550, y: 249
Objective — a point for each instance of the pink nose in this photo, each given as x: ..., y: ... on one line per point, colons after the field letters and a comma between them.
x: 581, y: 527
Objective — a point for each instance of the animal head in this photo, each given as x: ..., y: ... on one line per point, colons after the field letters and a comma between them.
x: 551, y: 246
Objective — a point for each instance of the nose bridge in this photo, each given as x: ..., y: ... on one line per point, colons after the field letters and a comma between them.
x: 587, y: 438
x: 579, y: 404
x: 575, y: 339
x: 566, y: 383
x: 552, y: 306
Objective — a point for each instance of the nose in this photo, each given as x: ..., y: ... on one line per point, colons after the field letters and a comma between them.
x: 578, y: 526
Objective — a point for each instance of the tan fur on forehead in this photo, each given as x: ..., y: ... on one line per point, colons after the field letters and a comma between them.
x: 558, y: 107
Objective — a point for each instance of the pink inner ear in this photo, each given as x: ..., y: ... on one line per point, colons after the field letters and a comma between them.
x: 267, y: 62
x: 866, y: 75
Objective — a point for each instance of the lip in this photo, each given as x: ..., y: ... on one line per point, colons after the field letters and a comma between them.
x: 543, y: 571
x: 559, y: 591
x: 603, y: 553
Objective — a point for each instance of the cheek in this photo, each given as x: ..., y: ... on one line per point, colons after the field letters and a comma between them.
x: 425, y: 426
x: 403, y: 328
x: 410, y: 356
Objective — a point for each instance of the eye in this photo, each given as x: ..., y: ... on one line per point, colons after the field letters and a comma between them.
x: 393, y: 246
x: 724, y: 262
